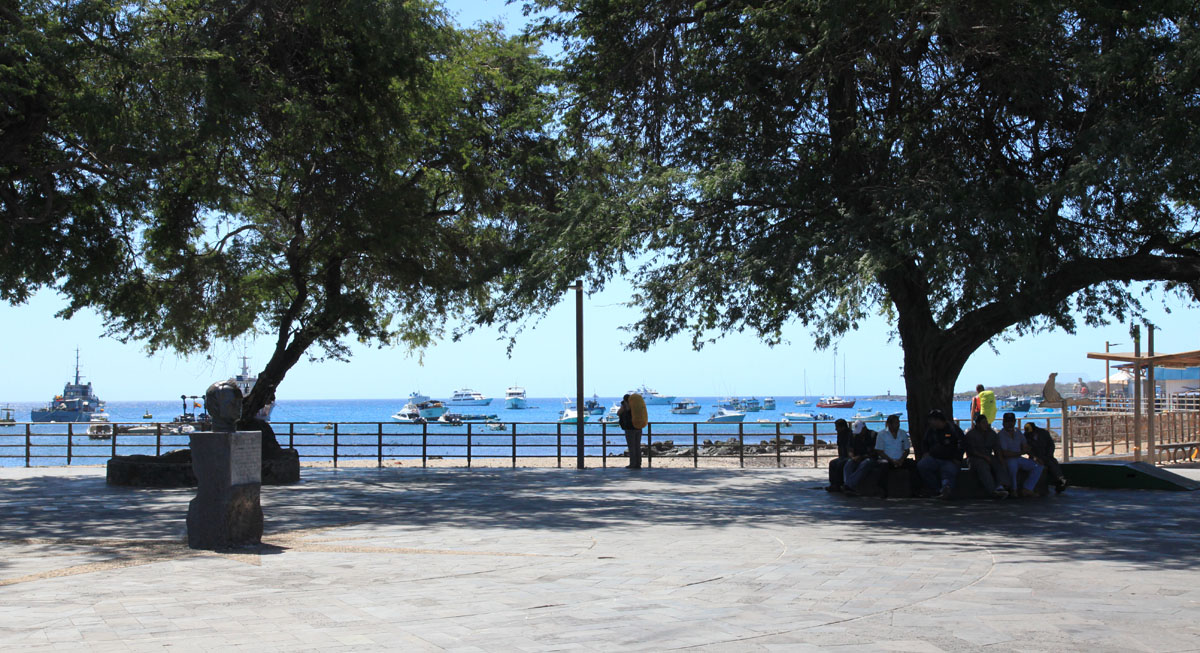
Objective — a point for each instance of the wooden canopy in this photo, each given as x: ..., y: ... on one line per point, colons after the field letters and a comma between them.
x: 1174, y: 361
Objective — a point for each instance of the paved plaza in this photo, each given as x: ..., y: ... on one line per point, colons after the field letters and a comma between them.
x: 548, y: 560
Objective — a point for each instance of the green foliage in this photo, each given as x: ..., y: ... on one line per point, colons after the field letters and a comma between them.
x: 820, y: 161
x: 315, y: 171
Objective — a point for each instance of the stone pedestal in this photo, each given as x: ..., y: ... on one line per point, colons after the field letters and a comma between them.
x: 227, y: 511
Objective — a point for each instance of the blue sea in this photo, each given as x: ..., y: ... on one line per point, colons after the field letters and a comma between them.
x: 364, y: 429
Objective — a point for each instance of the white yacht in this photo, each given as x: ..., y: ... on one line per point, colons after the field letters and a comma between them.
x: 514, y: 398
x: 468, y: 397
x: 245, y: 382
x: 768, y: 403
x: 569, y: 415
x: 410, y: 414
x: 611, y: 416
x: 726, y: 416
x: 685, y: 407
x: 652, y: 396
x: 417, y: 397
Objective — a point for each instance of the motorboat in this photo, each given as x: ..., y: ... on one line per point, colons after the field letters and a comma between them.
x: 246, y: 382
x: 807, y: 417
x: 751, y: 405
x: 417, y: 397
x: 866, y: 414
x: 147, y: 415
x: 6, y: 415
x: 431, y: 409
x: 494, y: 425
x: 802, y: 402
x: 835, y: 402
x: 726, y: 416
x: 768, y: 403
x: 77, y: 403
x: 685, y: 407
x: 593, y: 406
x: 468, y: 397
x: 653, y: 397
x: 611, y: 417
x: 409, y: 414
x: 514, y: 398
x: 449, y: 419
x: 569, y: 415
x: 732, y: 403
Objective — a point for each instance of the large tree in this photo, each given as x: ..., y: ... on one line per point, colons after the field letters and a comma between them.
x: 315, y: 171
x: 968, y: 169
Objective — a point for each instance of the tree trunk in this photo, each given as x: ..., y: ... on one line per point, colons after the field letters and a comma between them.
x: 286, y: 355
x: 929, y: 384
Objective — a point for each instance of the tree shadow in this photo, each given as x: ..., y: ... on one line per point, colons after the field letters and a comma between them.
x: 1140, y: 528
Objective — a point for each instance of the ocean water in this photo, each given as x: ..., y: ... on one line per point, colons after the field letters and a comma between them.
x: 364, y: 429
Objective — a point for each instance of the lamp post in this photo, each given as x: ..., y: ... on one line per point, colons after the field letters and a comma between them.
x: 1107, y: 374
x: 580, y: 415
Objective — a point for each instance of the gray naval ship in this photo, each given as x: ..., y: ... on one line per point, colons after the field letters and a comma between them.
x: 77, y: 403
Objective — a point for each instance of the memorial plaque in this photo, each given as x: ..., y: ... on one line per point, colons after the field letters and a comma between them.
x: 245, y: 458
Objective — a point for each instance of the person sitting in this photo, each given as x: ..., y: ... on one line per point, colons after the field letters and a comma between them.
x: 862, y: 452
x: 983, y: 456
x: 892, y: 445
x: 837, y: 465
x: 943, y: 455
x: 1041, y: 450
x: 1013, y: 448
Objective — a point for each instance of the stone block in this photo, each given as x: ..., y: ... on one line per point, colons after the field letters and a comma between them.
x: 172, y: 469
x: 281, y: 469
x: 227, y: 510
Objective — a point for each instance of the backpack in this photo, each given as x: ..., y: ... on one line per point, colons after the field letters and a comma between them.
x: 637, y: 411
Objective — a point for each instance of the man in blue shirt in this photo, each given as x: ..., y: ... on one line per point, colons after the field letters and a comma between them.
x: 943, y: 455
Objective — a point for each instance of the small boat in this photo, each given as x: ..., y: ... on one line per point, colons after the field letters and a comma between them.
x: 417, y: 397
x: 431, y: 409
x: 732, y: 403
x: 802, y: 402
x: 514, y: 398
x: 726, y: 416
x: 449, y: 419
x: 468, y: 397
x: 767, y: 423
x: 593, y: 406
x: 685, y: 407
x: 147, y: 415
x: 653, y: 397
x: 409, y: 414
x: 569, y: 415
x: 6, y: 415
x: 611, y: 416
x: 494, y: 425
x: 751, y: 405
x: 470, y: 417
x: 867, y: 414
x: 768, y: 403
x: 835, y: 402
x: 807, y: 417
x: 1044, y: 411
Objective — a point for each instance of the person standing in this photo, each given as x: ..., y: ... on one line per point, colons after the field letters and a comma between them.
x: 633, y: 435
x: 983, y: 456
x: 983, y: 403
x: 943, y: 455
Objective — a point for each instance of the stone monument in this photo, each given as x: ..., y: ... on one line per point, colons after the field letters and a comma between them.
x: 227, y: 511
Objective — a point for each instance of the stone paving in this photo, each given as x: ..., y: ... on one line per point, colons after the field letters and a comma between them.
x: 549, y: 560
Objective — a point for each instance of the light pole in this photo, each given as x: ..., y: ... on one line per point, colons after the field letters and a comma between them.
x: 1107, y: 374
x: 580, y: 415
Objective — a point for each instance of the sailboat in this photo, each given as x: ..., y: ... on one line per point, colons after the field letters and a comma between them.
x: 836, y: 401
x: 803, y: 401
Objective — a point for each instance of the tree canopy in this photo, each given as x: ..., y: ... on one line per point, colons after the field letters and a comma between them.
x: 963, y: 168
x: 313, y: 171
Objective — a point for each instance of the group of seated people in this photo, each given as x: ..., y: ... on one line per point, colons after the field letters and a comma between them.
x: 996, y: 458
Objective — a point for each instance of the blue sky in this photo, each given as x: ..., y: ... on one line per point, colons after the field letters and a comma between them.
x: 37, y: 351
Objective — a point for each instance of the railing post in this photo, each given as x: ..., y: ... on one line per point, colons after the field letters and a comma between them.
x: 158, y: 439
x: 816, y: 458
x: 649, y: 444
x: 604, y: 445
x: 335, y: 444
x: 514, y: 445
x: 695, y: 444
x: 70, y: 434
x: 558, y: 427
x: 741, y: 445
x: 114, y: 442
x: 424, y: 444
x: 379, y: 445
x: 291, y: 435
x: 778, y: 454
x: 468, y: 445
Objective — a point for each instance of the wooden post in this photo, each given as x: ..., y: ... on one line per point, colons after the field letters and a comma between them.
x: 1151, y: 449
x: 1137, y: 393
x: 514, y: 445
x: 580, y: 415
x: 379, y: 445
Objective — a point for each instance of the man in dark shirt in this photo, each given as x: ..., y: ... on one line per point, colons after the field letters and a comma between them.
x: 943, y: 455
x: 984, y: 458
x: 837, y: 465
x: 862, y: 456
x: 1041, y: 449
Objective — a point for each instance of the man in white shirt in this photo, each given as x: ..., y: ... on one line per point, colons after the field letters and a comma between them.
x: 892, y: 446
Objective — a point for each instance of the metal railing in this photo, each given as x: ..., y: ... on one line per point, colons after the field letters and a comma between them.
x: 775, y: 444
